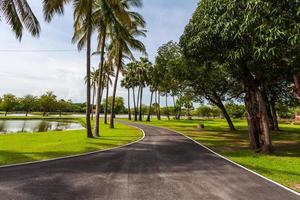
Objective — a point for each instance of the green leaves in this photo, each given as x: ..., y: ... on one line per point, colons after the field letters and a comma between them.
x: 18, y: 15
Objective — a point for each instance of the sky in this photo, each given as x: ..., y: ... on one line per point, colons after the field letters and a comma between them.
x: 35, y: 72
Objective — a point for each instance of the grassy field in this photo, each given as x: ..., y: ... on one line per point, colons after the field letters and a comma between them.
x: 24, y: 147
x: 283, y: 166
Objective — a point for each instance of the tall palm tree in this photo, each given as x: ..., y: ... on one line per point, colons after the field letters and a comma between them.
x: 94, y: 81
x: 125, y: 83
x: 131, y: 74
x: 109, y: 72
x: 18, y: 15
x: 82, y: 14
x: 107, y: 14
x: 142, y: 73
x: 123, y: 41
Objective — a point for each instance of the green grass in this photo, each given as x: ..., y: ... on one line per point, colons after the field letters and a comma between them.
x: 24, y: 147
x: 283, y: 166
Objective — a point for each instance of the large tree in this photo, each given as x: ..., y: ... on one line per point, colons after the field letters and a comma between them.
x: 251, y: 39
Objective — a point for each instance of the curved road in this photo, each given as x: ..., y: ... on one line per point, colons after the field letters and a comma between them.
x: 165, y: 165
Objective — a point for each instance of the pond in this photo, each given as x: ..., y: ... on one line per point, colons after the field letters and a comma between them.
x: 30, y: 126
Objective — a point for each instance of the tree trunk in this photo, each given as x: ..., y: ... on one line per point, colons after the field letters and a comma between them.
x: 112, y: 113
x: 297, y: 85
x: 134, y: 104
x: 274, y: 113
x: 268, y: 109
x: 158, y: 107
x: 5, y: 113
x: 93, y: 103
x: 138, y: 100
x: 100, y: 87
x: 258, y: 125
x: 26, y: 113
x: 106, y: 102
x: 129, y: 110
x: 179, y: 114
x: 226, y: 115
x: 167, y: 109
x: 149, y: 113
x: 88, y: 70
x: 141, y: 104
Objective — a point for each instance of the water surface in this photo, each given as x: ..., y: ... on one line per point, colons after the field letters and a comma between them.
x: 30, y: 126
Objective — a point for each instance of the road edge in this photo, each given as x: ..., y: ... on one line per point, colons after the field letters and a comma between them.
x: 77, y: 155
x: 223, y: 157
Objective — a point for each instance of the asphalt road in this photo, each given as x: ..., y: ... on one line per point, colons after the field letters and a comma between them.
x: 165, y: 165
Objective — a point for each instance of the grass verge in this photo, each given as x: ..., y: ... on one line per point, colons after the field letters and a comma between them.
x: 283, y: 166
x: 25, y: 147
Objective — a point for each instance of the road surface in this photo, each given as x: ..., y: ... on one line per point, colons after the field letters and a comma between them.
x: 165, y: 165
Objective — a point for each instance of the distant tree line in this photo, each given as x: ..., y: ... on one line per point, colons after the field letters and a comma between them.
x: 48, y: 103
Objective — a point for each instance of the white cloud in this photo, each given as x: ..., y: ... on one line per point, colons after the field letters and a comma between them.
x: 63, y: 72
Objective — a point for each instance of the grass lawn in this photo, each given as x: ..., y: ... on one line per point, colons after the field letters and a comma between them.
x: 283, y: 166
x: 24, y: 147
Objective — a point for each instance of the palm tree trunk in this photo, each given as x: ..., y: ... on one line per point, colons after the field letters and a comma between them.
x: 174, y: 102
x: 129, y: 111
x: 88, y: 71
x: 167, y: 109
x: 141, y: 102
x: 93, y: 102
x: 149, y: 113
x: 138, y: 100
x: 158, y: 112
x: 134, y: 104
x: 100, y: 86
x: 106, y: 102
x: 112, y: 113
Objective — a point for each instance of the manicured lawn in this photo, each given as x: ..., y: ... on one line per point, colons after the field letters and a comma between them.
x: 18, y: 148
x: 283, y: 166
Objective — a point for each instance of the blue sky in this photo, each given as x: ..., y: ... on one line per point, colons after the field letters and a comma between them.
x: 63, y: 72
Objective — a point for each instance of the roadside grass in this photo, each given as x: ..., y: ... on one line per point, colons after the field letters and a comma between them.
x: 25, y: 147
x: 282, y: 166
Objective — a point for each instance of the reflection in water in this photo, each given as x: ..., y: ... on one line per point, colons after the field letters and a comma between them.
x: 30, y: 126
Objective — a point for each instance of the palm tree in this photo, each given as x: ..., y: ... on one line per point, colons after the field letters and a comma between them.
x: 152, y: 87
x: 123, y: 41
x: 107, y: 15
x: 126, y: 84
x: 132, y: 76
x: 18, y: 15
x: 94, y: 81
x: 82, y: 14
x: 109, y: 72
x: 142, y: 73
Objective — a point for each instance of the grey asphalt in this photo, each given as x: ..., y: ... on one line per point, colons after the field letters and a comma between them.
x: 165, y: 165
